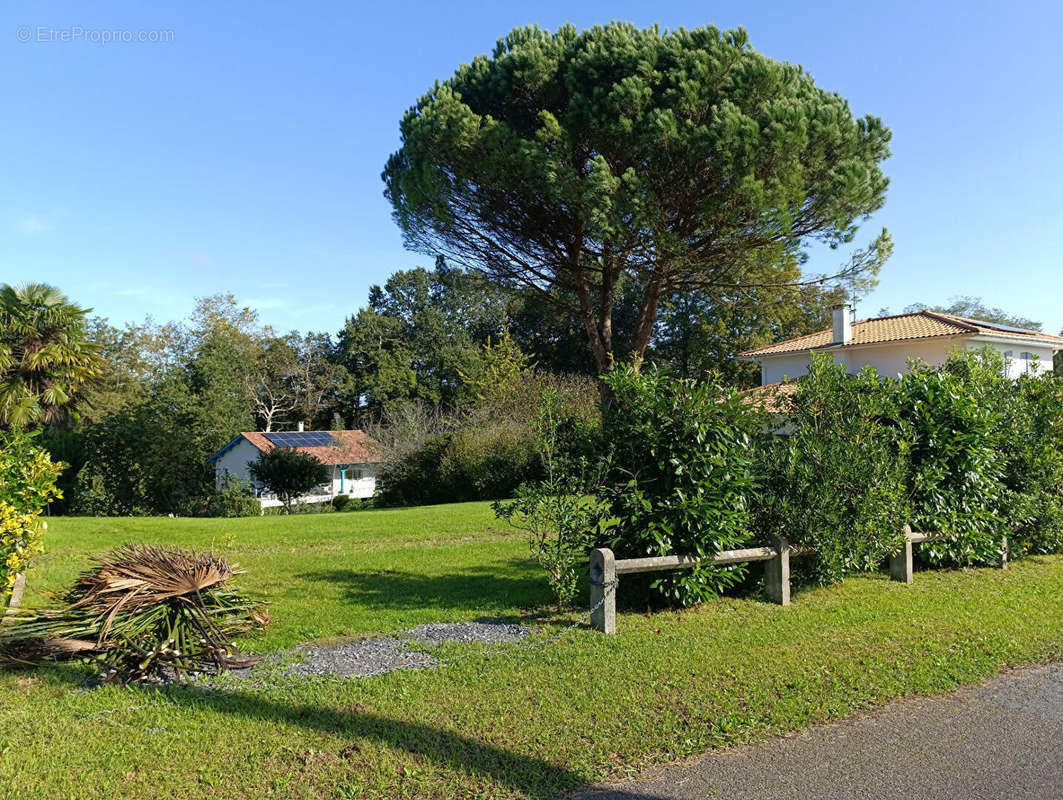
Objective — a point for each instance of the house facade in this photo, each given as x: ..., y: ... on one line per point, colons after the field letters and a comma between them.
x: 887, y: 344
x: 350, y: 455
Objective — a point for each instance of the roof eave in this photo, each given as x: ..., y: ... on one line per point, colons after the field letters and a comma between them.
x: 231, y: 444
x: 1052, y: 344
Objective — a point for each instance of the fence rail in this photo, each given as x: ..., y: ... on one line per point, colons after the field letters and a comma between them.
x: 605, y: 570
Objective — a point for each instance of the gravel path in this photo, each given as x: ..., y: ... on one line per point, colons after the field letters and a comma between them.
x: 997, y: 740
x: 389, y: 653
x: 494, y: 632
x: 360, y: 659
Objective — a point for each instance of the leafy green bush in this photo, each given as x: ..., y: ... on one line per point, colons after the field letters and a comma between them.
x: 340, y: 502
x: 414, y: 477
x: 1033, y: 473
x: 27, y: 484
x: 950, y: 420
x: 488, y: 463
x: 836, y: 482
x: 234, y: 498
x: 681, y: 477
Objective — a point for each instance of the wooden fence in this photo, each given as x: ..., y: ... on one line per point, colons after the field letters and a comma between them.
x: 605, y: 571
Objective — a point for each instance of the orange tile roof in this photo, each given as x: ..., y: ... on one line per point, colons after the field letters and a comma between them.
x: 352, y: 447
x: 771, y: 396
x: 919, y: 325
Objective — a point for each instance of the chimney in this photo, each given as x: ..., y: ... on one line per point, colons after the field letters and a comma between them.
x: 300, y: 428
x: 842, y: 322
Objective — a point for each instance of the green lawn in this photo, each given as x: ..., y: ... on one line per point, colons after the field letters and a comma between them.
x: 527, y: 723
x: 330, y: 575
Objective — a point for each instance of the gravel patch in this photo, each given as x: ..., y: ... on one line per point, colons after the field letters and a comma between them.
x: 361, y: 659
x: 488, y: 632
x: 388, y: 653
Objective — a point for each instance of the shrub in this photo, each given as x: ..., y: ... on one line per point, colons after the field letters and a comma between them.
x: 234, y: 498
x: 562, y: 518
x: 1033, y: 474
x: 340, y: 502
x: 490, y: 450
x: 951, y: 424
x: 414, y: 477
x: 682, y: 475
x: 27, y: 484
x: 488, y: 463
x: 836, y: 482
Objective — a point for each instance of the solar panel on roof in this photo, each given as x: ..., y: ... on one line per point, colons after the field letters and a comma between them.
x: 998, y: 326
x: 301, y: 439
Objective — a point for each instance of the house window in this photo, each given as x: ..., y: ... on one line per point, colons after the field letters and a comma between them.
x: 1027, y: 362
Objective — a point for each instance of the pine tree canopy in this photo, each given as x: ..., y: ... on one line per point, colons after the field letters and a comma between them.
x: 590, y: 164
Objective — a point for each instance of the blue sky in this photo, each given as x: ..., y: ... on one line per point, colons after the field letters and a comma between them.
x: 244, y: 155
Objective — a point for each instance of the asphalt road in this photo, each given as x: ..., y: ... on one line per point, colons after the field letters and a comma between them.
x: 1002, y: 739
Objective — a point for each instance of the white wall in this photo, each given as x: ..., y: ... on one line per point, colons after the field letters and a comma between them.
x: 891, y: 359
x: 363, y: 486
x: 236, y: 460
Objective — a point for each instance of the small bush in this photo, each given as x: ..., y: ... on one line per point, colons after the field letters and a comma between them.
x: 488, y: 463
x: 558, y: 511
x: 414, y: 477
x: 27, y: 484
x: 340, y: 502
x: 234, y: 498
x: 490, y: 450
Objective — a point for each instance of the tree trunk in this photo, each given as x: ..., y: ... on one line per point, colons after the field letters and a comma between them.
x: 647, y: 319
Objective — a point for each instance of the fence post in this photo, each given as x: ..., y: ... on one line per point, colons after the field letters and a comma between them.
x: 603, y: 590
x: 901, y: 562
x: 777, y: 574
x: 1004, y: 553
x: 15, y: 600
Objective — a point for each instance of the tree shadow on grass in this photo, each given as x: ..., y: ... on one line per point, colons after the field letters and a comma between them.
x: 532, y: 776
x: 510, y: 584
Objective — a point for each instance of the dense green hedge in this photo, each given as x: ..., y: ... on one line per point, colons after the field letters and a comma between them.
x: 835, y: 482
x: 958, y: 449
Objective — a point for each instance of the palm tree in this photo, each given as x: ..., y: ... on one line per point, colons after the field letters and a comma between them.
x: 45, y: 354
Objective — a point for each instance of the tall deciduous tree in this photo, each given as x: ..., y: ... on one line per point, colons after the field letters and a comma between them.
x: 582, y: 164
x: 45, y: 354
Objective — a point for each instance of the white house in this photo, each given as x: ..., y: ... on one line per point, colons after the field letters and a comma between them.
x: 887, y: 343
x: 350, y: 455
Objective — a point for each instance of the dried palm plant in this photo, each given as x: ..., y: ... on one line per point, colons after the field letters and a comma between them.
x: 142, y: 613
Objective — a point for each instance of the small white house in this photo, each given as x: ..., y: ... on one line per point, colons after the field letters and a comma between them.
x: 350, y: 455
x: 887, y: 343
